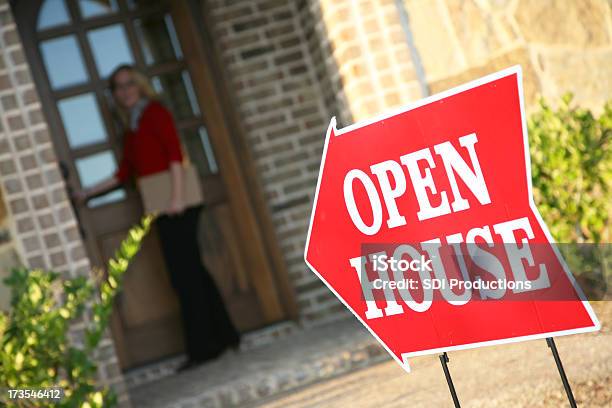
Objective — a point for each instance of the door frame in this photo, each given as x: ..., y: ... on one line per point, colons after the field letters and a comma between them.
x: 245, y: 198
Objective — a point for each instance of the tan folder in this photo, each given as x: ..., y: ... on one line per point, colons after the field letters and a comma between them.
x: 156, y: 190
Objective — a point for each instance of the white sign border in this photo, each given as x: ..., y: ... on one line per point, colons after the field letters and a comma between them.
x: 514, y: 70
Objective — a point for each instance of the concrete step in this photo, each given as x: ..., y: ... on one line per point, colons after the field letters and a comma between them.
x: 239, y: 379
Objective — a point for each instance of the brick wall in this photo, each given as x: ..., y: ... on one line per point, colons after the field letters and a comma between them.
x: 325, y: 68
x: 8, y: 253
x: 36, y: 211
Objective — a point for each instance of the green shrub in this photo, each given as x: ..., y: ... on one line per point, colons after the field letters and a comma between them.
x: 571, y: 162
x: 35, y: 349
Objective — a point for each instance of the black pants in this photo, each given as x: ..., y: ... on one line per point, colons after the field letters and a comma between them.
x: 207, y: 325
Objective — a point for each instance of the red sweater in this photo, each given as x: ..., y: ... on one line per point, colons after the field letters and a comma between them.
x: 152, y: 147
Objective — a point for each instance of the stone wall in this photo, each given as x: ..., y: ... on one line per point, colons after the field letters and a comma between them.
x: 563, y: 46
x: 35, y: 211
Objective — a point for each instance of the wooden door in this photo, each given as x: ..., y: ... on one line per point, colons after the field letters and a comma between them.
x: 73, y: 45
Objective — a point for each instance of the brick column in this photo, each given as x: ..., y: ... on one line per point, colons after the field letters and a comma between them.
x: 39, y: 216
x: 371, y: 53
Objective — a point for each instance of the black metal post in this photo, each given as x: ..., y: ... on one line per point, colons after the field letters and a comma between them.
x: 444, y: 361
x: 568, y: 390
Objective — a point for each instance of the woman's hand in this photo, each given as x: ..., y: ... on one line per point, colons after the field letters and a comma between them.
x: 80, y: 196
x: 176, y: 206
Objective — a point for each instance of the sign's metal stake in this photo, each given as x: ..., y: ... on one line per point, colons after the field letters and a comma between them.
x: 568, y: 390
x: 444, y: 361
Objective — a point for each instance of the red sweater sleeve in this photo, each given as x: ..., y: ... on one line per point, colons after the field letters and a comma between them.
x: 125, y: 171
x: 166, y: 131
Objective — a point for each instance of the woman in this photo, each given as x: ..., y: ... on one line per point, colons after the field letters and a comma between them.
x: 151, y: 145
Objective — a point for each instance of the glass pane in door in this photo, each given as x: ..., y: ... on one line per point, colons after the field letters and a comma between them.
x: 110, y: 48
x: 199, y: 149
x: 158, y: 39
x: 82, y: 120
x: 94, y: 8
x: 63, y: 61
x: 177, y: 93
x: 92, y: 169
x: 53, y: 13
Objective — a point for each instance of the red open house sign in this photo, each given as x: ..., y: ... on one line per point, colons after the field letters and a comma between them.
x: 449, y: 170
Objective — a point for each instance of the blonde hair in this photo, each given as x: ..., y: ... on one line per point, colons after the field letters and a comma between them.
x: 142, y: 82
